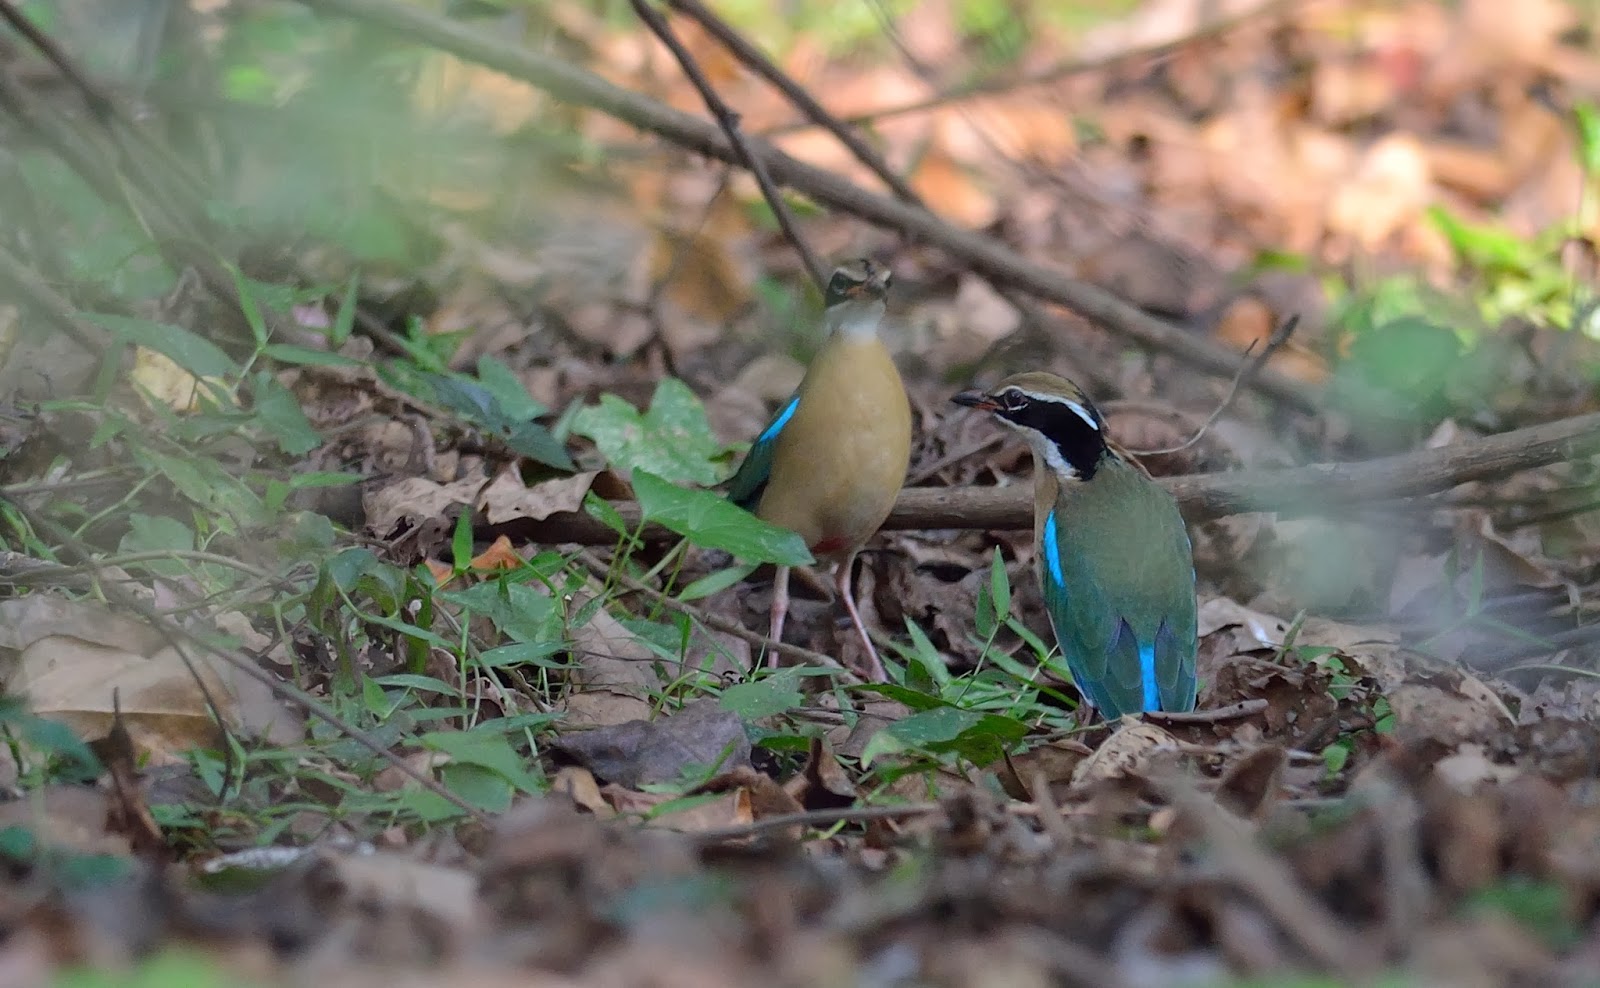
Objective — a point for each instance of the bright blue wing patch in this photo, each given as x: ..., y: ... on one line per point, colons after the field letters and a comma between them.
x: 751, y: 479
x: 1052, y: 550
x: 782, y: 419
x: 1147, y: 677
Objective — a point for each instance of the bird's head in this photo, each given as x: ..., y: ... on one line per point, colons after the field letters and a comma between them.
x: 855, y: 296
x: 1065, y: 429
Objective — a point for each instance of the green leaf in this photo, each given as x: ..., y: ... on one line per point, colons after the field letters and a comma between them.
x: 195, y: 354
x: 717, y: 582
x: 288, y: 353
x: 764, y: 698
x: 461, y: 543
x: 280, y: 414
x: 999, y: 586
x: 486, y: 749
x: 157, y: 533
x: 486, y: 789
x: 712, y: 521
x: 524, y: 653
x: 1588, y: 119
x: 345, y: 319
x: 978, y: 737
x: 507, y: 389
x: 521, y: 613
x: 672, y: 440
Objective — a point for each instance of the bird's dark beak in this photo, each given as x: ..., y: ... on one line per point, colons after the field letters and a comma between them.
x: 976, y: 399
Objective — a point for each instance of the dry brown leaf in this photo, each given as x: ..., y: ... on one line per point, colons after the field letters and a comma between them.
x: 1125, y: 753
x: 730, y: 809
x: 507, y: 497
x: 616, y: 674
x: 579, y: 784
x: 639, y: 752
x: 409, y: 501
x: 498, y: 557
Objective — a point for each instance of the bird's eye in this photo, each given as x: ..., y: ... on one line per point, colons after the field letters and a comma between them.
x: 1014, y: 401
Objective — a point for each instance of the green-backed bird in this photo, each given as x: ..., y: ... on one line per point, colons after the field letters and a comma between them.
x: 830, y: 463
x: 1113, y: 557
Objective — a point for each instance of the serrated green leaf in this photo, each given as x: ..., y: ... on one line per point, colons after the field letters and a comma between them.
x: 673, y: 440
x: 712, y: 521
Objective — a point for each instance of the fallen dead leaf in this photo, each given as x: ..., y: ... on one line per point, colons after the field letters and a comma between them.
x: 1126, y: 753
x: 637, y: 752
x: 506, y: 497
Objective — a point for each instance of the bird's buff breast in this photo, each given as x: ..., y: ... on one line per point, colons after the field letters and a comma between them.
x: 840, y: 462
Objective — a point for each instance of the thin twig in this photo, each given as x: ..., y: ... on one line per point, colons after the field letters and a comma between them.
x: 1279, y: 337
x: 760, y: 64
x: 816, y: 818
x: 728, y: 120
x: 1234, y: 711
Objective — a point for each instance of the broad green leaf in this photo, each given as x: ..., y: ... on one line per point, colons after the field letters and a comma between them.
x: 195, y: 354
x: 765, y: 697
x: 484, y: 788
x: 280, y: 414
x: 521, y: 613
x: 672, y: 440
x: 714, y: 522
x: 999, y: 586
x: 978, y: 737
x: 487, y: 749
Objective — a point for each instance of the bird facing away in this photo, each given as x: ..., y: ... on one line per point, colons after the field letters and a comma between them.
x: 830, y: 463
x: 1113, y: 557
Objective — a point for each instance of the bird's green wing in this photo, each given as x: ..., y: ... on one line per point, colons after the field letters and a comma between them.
x: 745, y: 488
x: 1118, y: 579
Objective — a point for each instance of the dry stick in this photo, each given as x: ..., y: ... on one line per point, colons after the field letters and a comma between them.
x: 757, y: 62
x: 981, y: 253
x: 1319, y: 487
x: 729, y: 122
x: 803, y: 655
x: 1244, y: 708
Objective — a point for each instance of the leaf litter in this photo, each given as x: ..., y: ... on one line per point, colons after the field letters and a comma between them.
x: 1353, y: 803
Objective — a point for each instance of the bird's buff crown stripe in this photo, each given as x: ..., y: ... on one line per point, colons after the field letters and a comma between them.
x: 1147, y: 675
x: 781, y: 421
x: 1052, y: 551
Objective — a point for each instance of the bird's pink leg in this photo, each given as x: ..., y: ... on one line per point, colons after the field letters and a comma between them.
x: 875, y: 672
x: 780, y: 610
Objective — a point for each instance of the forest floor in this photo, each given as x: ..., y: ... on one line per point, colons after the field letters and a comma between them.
x: 371, y: 615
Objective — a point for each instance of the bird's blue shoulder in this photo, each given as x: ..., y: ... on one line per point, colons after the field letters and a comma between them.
x: 751, y: 478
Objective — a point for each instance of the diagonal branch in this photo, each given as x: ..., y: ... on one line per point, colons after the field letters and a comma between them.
x: 757, y: 62
x: 729, y: 122
x: 982, y: 254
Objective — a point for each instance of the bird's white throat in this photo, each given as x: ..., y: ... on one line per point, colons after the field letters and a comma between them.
x: 856, y: 321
